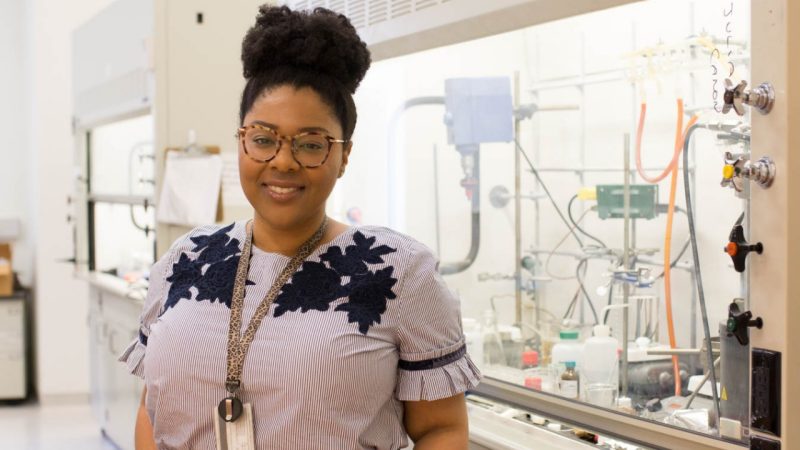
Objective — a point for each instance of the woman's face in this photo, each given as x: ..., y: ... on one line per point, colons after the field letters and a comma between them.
x: 285, y: 194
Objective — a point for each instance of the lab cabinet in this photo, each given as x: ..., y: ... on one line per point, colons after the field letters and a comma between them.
x: 114, y: 323
x: 14, y: 369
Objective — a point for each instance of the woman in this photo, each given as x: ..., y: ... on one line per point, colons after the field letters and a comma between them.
x: 360, y: 344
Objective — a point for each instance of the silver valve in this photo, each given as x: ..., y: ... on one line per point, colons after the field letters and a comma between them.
x: 762, y: 97
x: 736, y: 170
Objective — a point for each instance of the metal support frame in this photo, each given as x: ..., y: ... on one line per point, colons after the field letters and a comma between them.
x: 614, y: 423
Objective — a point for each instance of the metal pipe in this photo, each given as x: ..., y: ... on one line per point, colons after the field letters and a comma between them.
x: 626, y: 288
x: 576, y: 255
x: 582, y: 152
x: 517, y: 212
x: 135, y: 200
x: 600, y: 169
x: 536, y: 141
x: 604, y: 76
x: 436, y: 199
x: 393, y: 166
x: 475, y: 242
x: 447, y: 268
x: 674, y: 351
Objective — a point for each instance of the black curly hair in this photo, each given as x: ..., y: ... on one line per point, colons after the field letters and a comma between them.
x: 318, y: 49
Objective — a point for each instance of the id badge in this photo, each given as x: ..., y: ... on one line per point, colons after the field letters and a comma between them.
x: 236, y: 435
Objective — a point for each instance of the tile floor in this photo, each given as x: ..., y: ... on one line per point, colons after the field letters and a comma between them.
x: 32, y: 426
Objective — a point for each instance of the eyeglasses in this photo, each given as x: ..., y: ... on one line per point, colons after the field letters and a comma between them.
x: 262, y: 144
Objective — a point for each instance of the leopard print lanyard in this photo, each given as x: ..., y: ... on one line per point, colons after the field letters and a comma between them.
x: 238, y: 346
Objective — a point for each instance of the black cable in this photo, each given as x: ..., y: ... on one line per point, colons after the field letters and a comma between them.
x: 146, y: 229
x: 585, y: 263
x: 698, y: 278
x: 578, y: 227
x: 676, y: 260
x: 610, y: 301
x: 571, y: 307
x: 547, y: 192
x: 683, y: 249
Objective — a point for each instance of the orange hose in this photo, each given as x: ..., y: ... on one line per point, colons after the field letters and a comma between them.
x: 676, y: 154
x: 667, y: 255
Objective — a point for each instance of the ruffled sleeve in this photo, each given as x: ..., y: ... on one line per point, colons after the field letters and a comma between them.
x: 434, y: 363
x: 156, y: 292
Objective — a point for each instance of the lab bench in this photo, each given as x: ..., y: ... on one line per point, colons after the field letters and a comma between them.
x: 113, y: 323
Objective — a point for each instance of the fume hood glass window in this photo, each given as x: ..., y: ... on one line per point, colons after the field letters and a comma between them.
x: 122, y: 247
x: 598, y: 274
x: 122, y: 158
x: 121, y: 165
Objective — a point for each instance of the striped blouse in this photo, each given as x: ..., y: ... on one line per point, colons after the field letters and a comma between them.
x: 365, y: 324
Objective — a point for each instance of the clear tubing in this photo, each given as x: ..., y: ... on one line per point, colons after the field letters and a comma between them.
x: 697, y: 275
x: 676, y: 153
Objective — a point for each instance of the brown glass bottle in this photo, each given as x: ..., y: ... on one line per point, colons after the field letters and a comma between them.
x: 568, y: 383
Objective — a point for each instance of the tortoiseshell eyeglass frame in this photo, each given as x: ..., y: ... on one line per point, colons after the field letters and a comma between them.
x: 242, y: 131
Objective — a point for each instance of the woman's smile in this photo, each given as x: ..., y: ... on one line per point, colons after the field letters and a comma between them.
x: 283, y: 192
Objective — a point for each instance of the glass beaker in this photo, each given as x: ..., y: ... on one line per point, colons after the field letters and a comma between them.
x: 600, y: 394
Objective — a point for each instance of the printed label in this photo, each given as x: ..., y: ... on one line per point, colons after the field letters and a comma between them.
x: 568, y: 388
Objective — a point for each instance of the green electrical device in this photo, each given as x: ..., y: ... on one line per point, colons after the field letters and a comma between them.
x: 611, y: 201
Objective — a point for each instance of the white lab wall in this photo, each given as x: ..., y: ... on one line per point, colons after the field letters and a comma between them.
x: 553, y: 139
x: 61, y: 300
x: 15, y: 159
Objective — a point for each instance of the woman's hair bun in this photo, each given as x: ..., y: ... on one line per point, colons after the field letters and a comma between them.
x: 319, y: 41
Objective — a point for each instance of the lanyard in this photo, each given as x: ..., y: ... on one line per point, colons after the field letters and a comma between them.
x: 238, y: 345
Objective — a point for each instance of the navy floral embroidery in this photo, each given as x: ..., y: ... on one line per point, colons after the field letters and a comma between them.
x: 368, y: 295
x: 212, y: 273
x: 184, y: 274
x: 316, y: 285
x: 356, y: 257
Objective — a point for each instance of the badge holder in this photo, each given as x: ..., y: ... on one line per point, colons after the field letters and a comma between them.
x: 233, y: 425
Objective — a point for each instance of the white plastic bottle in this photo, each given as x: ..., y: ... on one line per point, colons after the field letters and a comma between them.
x: 473, y: 336
x: 491, y: 340
x: 568, y: 348
x: 600, y: 368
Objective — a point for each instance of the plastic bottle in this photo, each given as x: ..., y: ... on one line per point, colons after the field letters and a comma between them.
x: 568, y: 382
x: 600, y: 368
x: 530, y: 373
x: 568, y: 348
x: 493, y: 352
x: 473, y: 337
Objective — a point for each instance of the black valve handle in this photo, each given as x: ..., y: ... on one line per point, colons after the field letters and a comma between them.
x: 738, y: 248
x: 739, y: 322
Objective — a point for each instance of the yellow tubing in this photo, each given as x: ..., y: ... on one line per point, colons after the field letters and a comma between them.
x: 668, y: 260
x: 676, y: 154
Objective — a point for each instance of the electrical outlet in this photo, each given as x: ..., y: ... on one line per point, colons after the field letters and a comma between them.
x: 765, y: 391
x: 762, y: 443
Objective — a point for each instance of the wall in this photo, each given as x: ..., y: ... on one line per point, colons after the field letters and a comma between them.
x: 16, y: 181
x: 184, y: 101
x: 61, y: 300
